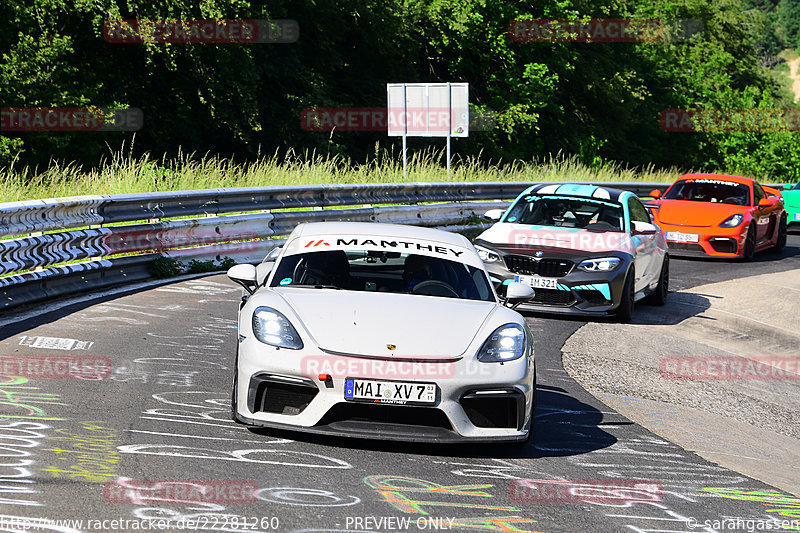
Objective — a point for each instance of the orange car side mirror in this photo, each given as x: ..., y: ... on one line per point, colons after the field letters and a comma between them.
x: 655, y: 193
x: 766, y: 202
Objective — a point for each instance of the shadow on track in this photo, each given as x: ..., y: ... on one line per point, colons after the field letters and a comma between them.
x: 563, y: 426
x: 678, y: 308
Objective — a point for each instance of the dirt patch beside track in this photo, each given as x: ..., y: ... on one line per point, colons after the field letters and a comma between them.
x: 749, y: 425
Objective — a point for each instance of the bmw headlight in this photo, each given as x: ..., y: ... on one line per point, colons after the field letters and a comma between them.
x: 732, y: 221
x: 271, y: 327
x: 506, y: 343
x: 486, y: 255
x: 602, y: 264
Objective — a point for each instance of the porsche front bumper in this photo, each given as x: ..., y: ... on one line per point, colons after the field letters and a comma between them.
x: 477, y: 402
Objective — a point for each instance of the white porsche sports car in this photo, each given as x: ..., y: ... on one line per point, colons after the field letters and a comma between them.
x: 382, y: 331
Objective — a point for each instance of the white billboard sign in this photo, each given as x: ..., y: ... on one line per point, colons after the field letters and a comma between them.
x: 428, y: 109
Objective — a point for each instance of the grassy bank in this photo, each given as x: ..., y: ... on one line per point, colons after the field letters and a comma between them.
x: 125, y: 175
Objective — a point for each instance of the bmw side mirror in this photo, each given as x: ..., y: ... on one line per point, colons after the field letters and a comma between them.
x: 642, y: 228
x: 245, y: 275
x: 517, y: 292
x: 493, y: 214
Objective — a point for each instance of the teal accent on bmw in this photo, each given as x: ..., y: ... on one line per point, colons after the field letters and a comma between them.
x: 584, y: 249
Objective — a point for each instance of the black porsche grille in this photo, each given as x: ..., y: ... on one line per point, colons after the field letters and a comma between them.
x: 724, y: 245
x: 548, y: 268
x: 689, y: 247
x: 553, y: 297
x: 267, y: 395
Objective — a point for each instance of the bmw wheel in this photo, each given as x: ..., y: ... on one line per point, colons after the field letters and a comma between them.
x: 625, y: 309
x: 659, y: 296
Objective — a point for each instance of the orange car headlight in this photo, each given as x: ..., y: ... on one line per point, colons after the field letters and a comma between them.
x: 732, y: 221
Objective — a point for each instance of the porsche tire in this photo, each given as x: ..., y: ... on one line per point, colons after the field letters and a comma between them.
x: 780, y: 243
x: 532, y: 413
x: 234, y: 395
x: 749, y: 244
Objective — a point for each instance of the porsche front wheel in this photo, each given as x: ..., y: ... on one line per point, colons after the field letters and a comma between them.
x: 749, y: 244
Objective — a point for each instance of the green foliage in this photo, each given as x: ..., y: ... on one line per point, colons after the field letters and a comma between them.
x: 198, y: 267
x: 226, y: 263
x: 165, y: 267
x: 789, y: 22
x: 596, y: 102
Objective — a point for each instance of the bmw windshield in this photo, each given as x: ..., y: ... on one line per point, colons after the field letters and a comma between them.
x: 567, y: 212
x: 373, y: 271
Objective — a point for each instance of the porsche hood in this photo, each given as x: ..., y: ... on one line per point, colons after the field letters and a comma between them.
x: 368, y: 323
x: 695, y: 214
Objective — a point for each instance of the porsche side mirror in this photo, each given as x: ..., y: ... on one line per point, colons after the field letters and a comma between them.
x: 655, y: 193
x: 642, y: 228
x: 493, y: 214
x: 517, y: 292
x: 273, y: 254
x: 245, y: 275
x: 766, y: 202
x: 262, y: 272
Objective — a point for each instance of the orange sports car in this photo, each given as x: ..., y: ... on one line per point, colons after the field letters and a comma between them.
x: 720, y: 216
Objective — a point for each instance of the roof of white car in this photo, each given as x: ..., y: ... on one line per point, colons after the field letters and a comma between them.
x: 311, y: 229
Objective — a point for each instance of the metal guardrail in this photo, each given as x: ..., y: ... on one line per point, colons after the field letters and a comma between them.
x: 67, y: 245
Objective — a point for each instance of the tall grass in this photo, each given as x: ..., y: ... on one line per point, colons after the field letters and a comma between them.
x: 126, y: 174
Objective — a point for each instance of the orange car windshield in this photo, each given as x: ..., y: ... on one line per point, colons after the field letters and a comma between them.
x: 714, y: 191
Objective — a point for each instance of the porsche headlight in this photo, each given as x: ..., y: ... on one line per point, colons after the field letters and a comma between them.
x: 506, y: 343
x: 271, y: 327
x: 486, y: 255
x: 602, y: 264
x: 732, y: 221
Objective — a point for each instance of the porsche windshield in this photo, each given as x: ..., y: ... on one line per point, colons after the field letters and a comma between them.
x: 714, y: 191
x: 567, y: 212
x: 396, y: 272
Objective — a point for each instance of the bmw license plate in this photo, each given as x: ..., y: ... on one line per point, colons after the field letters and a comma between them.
x: 677, y: 236
x: 538, y: 282
x: 396, y: 392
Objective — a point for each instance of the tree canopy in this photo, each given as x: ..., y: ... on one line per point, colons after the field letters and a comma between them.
x: 597, y: 100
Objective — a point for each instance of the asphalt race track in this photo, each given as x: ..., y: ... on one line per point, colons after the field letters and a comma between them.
x: 73, y: 448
